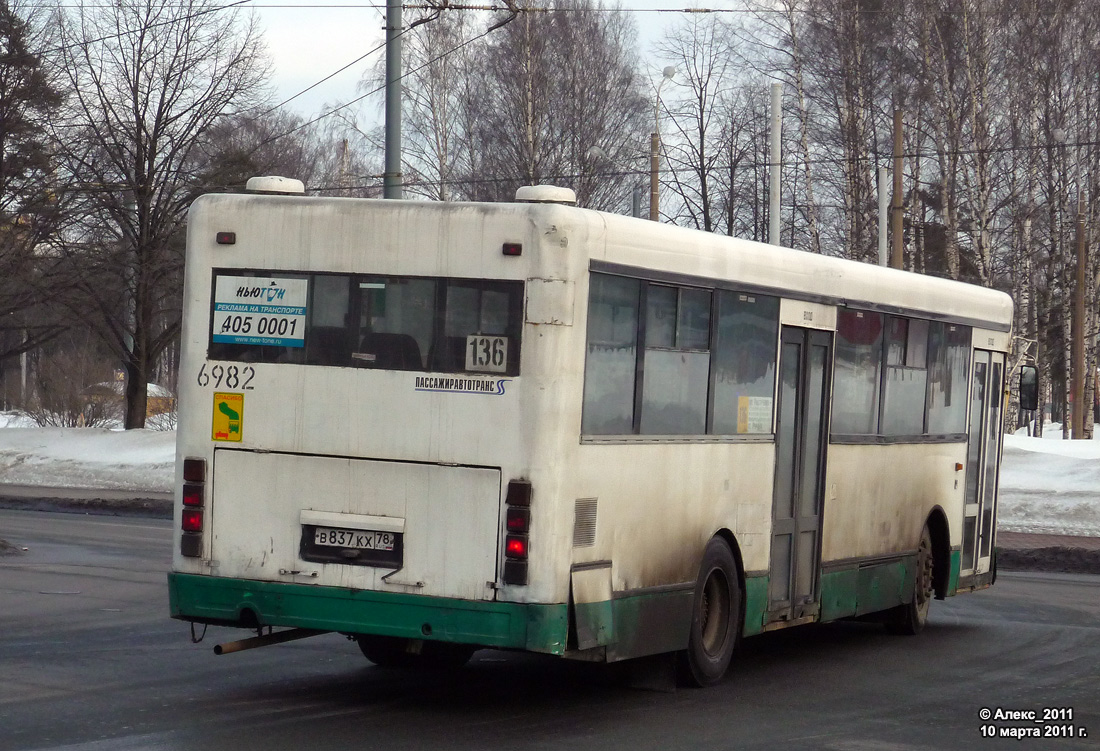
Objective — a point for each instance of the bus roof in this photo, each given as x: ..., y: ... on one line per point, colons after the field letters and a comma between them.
x: 797, y: 273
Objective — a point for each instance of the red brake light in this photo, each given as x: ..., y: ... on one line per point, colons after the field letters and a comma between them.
x: 515, y: 547
x: 192, y: 520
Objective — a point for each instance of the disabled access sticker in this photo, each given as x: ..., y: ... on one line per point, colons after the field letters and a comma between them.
x: 228, y: 414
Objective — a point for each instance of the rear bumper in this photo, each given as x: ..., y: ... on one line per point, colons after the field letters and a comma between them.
x: 505, y: 625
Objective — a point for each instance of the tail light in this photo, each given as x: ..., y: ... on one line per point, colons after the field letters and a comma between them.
x: 517, y: 522
x: 194, y: 504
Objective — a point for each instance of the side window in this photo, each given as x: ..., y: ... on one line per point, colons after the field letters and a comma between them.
x: 857, y: 373
x: 610, y: 361
x: 898, y: 376
x: 906, y: 376
x: 665, y: 359
x: 677, y: 361
x: 948, y: 375
x: 744, y: 363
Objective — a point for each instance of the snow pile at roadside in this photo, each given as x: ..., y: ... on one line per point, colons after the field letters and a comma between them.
x: 1050, y: 485
x: 85, y: 457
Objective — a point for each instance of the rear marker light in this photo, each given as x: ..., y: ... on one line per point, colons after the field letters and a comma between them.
x: 226, y: 238
x: 519, y: 493
x: 515, y: 572
x: 518, y: 519
x: 194, y: 470
x: 192, y: 494
x: 192, y: 520
x: 512, y: 249
x: 191, y: 544
x: 517, y: 524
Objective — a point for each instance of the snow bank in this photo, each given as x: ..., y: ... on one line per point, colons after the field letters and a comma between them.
x: 1050, y: 485
x: 85, y: 457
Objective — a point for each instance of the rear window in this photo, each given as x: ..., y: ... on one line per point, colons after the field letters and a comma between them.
x: 428, y: 324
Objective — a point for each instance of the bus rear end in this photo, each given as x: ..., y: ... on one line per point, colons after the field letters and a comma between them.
x: 354, y: 433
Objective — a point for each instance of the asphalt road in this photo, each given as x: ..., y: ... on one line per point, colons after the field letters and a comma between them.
x: 90, y: 660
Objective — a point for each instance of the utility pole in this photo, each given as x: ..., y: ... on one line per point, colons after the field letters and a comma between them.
x: 883, y: 210
x: 775, y: 164
x: 654, y: 170
x: 655, y: 149
x: 897, y: 210
x: 391, y: 177
x: 1077, y: 328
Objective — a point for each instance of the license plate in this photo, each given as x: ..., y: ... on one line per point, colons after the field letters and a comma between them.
x: 354, y: 538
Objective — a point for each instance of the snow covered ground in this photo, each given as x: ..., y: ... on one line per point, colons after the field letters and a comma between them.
x: 85, y: 457
x: 1048, y: 485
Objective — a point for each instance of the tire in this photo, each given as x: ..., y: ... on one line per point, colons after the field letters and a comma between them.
x: 716, y: 618
x: 393, y: 652
x: 909, y: 619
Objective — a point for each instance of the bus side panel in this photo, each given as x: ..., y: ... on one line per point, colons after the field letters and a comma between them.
x: 878, y: 498
x: 668, y: 500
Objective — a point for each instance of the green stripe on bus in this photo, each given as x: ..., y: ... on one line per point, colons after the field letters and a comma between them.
x: 839, y: 594
x: 953, y: 576
x: 756, y: 602
x: 866, y: 589
x: 534, y: 627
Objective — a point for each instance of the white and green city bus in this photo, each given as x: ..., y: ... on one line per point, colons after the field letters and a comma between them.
x: 439, y: 427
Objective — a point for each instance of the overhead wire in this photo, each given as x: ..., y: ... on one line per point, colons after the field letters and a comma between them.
x: 514, y: 9
x: 142, y: 30
x: 377, y: 89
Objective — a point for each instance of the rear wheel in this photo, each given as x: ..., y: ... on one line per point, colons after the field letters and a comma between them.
x: 715, y: 619
x: 394, y: 652
x: 910, y: 618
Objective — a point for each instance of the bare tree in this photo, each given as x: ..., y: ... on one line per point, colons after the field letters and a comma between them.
x: 150, y: 80
x: 440, y: 61
x: 701, y: 48
x: 785, y: 56
x: 560, y: 101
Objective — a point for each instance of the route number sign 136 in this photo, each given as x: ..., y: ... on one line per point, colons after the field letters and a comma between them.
x: 487, y: 353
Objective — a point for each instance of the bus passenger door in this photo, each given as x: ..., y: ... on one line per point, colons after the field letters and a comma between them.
x: 982, y: 455
x: 805, y: 364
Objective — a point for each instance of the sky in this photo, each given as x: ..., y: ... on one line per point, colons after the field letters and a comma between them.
x: 1048, y: 485
x: 309, y: 41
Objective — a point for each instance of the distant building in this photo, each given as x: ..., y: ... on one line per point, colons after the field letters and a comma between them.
x: 110, y: 396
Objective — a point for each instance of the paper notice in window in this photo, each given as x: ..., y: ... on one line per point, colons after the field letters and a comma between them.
x: 754, y: 414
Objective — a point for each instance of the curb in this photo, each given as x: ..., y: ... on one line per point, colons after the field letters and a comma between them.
x: 1056, y: 559
x: 150, y: 508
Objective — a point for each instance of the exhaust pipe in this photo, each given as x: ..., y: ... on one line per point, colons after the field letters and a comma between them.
x: 265, y: 640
